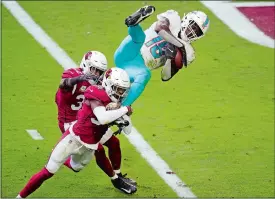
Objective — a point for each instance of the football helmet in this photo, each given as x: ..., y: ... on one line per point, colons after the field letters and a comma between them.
x: 116, y: 83
x: 194, y: 25
x: 94, y: 62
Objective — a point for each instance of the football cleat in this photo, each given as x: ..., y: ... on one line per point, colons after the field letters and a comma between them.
x: 139, y: 15
x: 121, y: 184
x: 129, y: 180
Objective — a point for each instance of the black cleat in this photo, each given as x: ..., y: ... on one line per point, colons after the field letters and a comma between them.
x: 128, y: 180
x: 139, y: 15
x: 121, y: 184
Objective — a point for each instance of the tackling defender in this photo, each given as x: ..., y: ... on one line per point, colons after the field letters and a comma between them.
x: 141, y: 51
x: 69, y: 99
x: 79, y: 142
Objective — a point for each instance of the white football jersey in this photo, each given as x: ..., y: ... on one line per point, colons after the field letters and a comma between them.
x: 152, y: 50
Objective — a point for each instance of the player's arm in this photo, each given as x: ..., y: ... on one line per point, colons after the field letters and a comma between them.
x: 105, y: 117
x: 170, y: 69
x: 68, y: 83
x: 168, y: 27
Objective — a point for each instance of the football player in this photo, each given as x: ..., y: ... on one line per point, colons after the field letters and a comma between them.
x: 79, y: 142
x: 141, y: 51
x: 69, y: 99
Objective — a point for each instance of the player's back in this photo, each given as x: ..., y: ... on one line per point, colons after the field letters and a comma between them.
x: 70, y: 101
x: 152, y: 49
x: 87, y: 127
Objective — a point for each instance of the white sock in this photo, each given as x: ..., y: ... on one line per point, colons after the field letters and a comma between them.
x: 18, y: 196
x: 117, y: 171
x: 114, y: 177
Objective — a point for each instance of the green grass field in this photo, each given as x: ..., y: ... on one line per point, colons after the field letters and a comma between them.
x: 213, y: 123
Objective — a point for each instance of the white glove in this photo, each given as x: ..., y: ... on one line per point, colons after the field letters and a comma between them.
x: 128, y: 129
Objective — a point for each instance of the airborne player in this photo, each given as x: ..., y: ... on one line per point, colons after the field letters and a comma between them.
x: 141, y: 51
x: 79, y: 142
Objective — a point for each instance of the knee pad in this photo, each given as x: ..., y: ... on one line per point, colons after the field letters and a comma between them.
x: 76, y: 166
x: 53, y: 166
x: 143, y: 78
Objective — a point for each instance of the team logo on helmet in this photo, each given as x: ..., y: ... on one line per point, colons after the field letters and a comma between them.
x: 108, y: 73
x: 88, y: 55
x: 205, y: 23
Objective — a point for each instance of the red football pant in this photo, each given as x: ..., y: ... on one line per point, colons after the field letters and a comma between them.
x: 35, y: 182
x: 114, y: 155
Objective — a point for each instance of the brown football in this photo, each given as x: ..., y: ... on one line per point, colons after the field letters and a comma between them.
x: 179, y: 59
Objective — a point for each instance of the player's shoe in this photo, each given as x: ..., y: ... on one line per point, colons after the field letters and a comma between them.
x: 128, y: 180
x: 121, y: 184
x: 139, y: 15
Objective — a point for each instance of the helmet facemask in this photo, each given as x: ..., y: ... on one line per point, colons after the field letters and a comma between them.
x: 119, y: 93
x: 96, y: 73
x: 116, y: 83
x: 94, y: 63
x: 191, y: 31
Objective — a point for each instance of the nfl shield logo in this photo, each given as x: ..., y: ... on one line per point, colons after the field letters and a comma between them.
x: 83, y: 88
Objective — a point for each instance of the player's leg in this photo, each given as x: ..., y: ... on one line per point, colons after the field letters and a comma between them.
x: 104, y: 163
x: 140, y: 76
x: 130, y: 46
x: 114, y: 152
x: 78, y: 161
x: 58, y: 156
x: 101, y: 159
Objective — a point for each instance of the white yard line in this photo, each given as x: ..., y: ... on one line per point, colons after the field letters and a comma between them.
x: 34, y: 134
x: 39, y: 34
x: 236, y: 21
x: 147, y: 152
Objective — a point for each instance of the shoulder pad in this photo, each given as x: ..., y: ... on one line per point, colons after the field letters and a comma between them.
x: 97, y: 93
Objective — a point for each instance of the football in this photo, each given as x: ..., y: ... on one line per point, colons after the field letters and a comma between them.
x: 179, y: 59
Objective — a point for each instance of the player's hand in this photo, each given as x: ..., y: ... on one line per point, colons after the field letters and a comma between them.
x: 88, y: 76
x: 113, y: 106
x: 170, y: 51
x: 130, y: 110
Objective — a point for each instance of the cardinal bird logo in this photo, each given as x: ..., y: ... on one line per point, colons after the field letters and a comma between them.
x: 108, y: 73
x: 88, y: 54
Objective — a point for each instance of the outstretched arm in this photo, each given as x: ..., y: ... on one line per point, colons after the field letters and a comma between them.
x: 68, y: 83
x: 168, y: 27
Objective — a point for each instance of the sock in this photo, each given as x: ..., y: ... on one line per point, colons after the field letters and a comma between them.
x: 118, y: 172
x: 114, y: 152
x: 114, y: 177
x: 35, y: 182
x: 103, y: 162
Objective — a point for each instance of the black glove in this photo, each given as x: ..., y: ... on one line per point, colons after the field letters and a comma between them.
x: 88, y: 76
x: 170, y: 51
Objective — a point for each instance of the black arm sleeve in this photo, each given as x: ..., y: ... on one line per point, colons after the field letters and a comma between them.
x: 68, y: 83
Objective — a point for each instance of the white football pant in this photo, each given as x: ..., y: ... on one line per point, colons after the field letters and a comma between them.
x: 69, y: 146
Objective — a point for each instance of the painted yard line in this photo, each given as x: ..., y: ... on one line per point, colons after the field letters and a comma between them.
x: 39, y: 34
x: 253, y: 4
x: 135, y: 137
x: 34, y: 134
x: 239, y: 23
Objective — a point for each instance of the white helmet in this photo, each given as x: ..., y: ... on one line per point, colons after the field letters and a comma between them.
x: 116, y: 83
x: 194, y: 25
x: 94, y: 62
